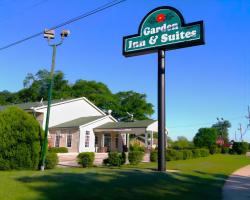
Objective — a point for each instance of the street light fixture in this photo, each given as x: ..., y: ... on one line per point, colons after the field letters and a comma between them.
x: 50, y: 35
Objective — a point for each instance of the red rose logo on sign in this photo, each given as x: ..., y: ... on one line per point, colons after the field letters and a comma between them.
x: 160, y: 18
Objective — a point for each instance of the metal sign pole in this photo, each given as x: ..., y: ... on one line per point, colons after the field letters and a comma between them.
x: 161, y: 112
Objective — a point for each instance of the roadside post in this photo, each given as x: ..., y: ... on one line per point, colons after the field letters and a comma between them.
x: 161, y: 30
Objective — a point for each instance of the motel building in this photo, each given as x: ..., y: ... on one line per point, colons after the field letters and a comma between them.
x: 81, y: 126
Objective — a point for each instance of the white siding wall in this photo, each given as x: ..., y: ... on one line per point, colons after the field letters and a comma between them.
x: 90, y: 128
x: 68, y: 111
x: 153, y: 127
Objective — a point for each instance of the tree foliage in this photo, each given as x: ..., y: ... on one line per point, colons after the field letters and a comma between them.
x: 134, y: 103
x: 20, y: 137
x: 222, y: 129
x: 206, y: 137
x: 181, y: 143
x: 36, y: 89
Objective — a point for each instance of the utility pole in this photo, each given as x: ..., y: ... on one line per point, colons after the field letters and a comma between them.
x: 49, y: 35
x: 248, y: 117
x: 235, y: 136
x: 240, y: 129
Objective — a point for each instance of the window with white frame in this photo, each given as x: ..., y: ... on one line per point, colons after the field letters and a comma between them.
x: 87, y: 138
x: 57, y: 140
x: 69, y: 139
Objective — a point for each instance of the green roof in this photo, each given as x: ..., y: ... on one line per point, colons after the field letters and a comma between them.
x: 29, y: 105
x: 78, y: 122
x: 120, y: 125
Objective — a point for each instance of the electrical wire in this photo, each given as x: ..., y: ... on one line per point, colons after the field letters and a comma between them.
x: 82, y: 16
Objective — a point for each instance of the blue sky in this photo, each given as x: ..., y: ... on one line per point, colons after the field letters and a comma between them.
x: 202, y: 82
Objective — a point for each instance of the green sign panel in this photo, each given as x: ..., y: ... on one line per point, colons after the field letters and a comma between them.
x: 163, y: 28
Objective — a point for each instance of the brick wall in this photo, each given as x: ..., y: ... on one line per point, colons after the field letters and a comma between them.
x: 63, y: 138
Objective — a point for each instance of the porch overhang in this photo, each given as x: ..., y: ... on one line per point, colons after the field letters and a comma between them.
x: 137, y: 127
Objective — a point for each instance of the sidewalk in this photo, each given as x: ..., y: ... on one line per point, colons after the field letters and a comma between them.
x: 237, y: 187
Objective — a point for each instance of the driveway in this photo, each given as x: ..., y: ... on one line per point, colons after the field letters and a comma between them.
x: 237, y: 187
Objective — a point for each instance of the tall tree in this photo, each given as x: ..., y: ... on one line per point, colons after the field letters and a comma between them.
x: 222, y: 129
x: 36, y: 88
x: 133, y: 103
x: 205, y: 137
x: 96, y: 92
x: 7, y: 97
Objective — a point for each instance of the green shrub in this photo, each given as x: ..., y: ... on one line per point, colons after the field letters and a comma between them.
x: 187, y: 154
x: 218, y: 150
x: 59, y: 149
x: 153, y: 156
x: 123, y: 158
x: 20, y: 140
x: 135, y: 157
x: 136, y: 147
x: 171, y: 154
x: 204, y: 152
x: 213, y: 149
x: 232, y: 152
x: 196, y: 153
x: 225, y: 150
x: 114, y: 159
x: 179, y: 155
x: 51, y: 160
x: 240, y: 147
x: 86, y: 159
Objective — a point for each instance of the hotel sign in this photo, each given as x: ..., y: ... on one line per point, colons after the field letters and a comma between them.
x: 163, y: 28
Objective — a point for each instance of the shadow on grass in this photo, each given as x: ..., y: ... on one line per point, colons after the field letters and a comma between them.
x: 125, y: 184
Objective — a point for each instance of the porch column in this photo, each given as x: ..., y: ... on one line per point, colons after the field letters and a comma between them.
x: 151, y: 139
x: 102, y: 140
x: 127, y: 140
x: 146, y: 139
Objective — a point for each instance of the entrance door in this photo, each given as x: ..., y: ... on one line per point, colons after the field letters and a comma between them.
x: 107, y: 141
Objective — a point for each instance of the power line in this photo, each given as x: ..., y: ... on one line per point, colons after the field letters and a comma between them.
x: 84, y: 15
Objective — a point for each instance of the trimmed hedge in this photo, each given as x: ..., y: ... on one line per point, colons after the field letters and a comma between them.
x: 20, y: 140
x: 136, y: 147
x: 59, y: 149
x: 204, y: 152
x: 153, y: 156
x: 172, y: 154
x: 51, y: 160
x: 86, y: 159
x: 196, y: 153
x: 187, y: 154
x: 213, y: 149
x: 179, y: 155
x: 240, y: 147
x: 115, y: 159
x: 225, y: 150
x: 135, y: 157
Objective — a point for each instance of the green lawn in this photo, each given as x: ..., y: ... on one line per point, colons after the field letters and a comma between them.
x: 200, y: 178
